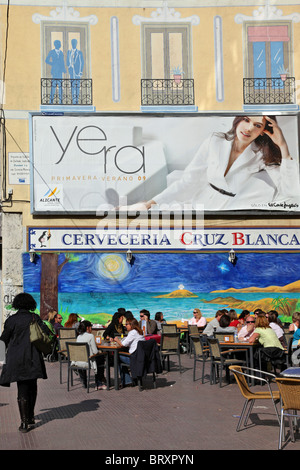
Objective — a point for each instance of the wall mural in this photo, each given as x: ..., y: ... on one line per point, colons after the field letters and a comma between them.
x: 95, y: 285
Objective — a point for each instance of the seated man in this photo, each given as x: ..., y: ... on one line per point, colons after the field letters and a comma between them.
x: 151, y: 325
x: 57, y: 323
x: 247, y: 330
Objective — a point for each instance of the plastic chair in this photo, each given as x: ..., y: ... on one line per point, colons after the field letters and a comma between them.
x: 78, y: 353
x: 250, y: 397
x: 289, y: 389
x: 219, y: 359
x: 201, y: 353
x: 170, y: 346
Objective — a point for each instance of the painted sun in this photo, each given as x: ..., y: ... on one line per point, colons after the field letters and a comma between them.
x: 113, y: 267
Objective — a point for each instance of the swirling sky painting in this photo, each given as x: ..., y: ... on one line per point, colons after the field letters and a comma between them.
x: 165, y: 272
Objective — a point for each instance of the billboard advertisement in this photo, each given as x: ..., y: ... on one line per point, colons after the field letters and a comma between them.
x: 90, y: 164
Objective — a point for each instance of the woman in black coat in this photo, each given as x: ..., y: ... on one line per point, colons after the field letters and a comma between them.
x: 24, y: 363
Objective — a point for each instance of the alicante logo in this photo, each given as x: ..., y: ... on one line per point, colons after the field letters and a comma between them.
x: 51, y: 196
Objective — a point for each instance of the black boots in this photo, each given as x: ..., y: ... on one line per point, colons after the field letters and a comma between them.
x: 24, y: 414
x: 26, y: 408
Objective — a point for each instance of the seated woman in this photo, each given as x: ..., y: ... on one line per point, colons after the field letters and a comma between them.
x: 115, y: 327
x: 135, y: 334
x: 85, y: 335
x: 197, y: 318
x: 73, y: 321
x: 234, y: 318
x: 268, y: 339
x: 273, y: 322
x: 159, y: 318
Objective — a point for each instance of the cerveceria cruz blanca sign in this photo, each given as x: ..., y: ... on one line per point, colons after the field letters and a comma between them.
x: 162, y: 239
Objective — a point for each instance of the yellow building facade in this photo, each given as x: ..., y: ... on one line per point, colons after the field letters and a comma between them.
x: 94, y: 67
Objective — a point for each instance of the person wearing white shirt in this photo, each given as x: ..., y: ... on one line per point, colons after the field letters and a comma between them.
x: 85, y: 335
x: 135, y: 334
x: 197, y: 319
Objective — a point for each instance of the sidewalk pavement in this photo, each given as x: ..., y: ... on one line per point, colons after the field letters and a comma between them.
x: 180, y: 416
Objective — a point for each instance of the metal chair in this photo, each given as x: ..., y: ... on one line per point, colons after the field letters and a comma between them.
x: 275, y: 356
x: 201, y: 353
x: 169, y: 346
x: 219, y: 359
x: 241, y: 378
x: 169, y: 328
x: 78, y: 359
x: 289, y: 389
x: 145, y: 360
x: 193, y: 330
x: 62, y: 354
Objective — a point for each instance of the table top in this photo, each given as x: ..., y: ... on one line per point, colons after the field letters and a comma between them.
x: 105, y: 345
x: 240, y: 343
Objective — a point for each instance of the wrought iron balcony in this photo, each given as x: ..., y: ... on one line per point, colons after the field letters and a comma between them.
x: 66, y: 91
x: 269, y: 90
x: 167, y: 92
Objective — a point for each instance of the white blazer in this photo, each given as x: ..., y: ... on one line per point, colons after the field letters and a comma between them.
x: 253, y: 184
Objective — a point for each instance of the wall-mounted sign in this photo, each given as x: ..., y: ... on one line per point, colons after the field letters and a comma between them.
x: 18, y: 168
x: 94, y: 163
x: 84, y: 239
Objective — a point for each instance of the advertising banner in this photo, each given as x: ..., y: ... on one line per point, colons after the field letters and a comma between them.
x: 89, y: 239
x: 90, y: 164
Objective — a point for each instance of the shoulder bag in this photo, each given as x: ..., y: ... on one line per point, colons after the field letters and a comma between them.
x: 39, y: 339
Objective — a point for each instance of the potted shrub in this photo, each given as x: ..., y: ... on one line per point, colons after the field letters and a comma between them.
x: 283, y: 72
x: 177, y: 73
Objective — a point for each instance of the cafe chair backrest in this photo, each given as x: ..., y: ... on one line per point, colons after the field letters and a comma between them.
x: 199, y: 347
x: 214, y: 348
x: 78, y: 352
x: 193, y: 329
x: 67, y: 333
x: 169, y: 327
x: 170, y: 341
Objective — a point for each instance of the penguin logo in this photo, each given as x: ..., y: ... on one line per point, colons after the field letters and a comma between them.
x: 44, y: 237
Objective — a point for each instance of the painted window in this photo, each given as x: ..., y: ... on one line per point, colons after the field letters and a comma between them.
x: 268, y: 50
x: 166, y: 48
x: 67, y: 35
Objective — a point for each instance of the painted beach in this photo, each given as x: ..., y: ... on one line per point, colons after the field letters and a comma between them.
x: 98, y: 284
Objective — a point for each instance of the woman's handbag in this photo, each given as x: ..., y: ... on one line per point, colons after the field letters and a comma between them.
x: 39, y: 339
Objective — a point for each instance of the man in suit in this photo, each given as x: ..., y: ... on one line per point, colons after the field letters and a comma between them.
x: 55, y: 59
x: 75, y: 63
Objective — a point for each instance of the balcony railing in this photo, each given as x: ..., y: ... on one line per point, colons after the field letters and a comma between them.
x: 269, y: 90
x: 66, y: 91
x: 167, y: 92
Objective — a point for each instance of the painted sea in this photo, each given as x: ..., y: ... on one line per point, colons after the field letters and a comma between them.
x: 94, y: 283
x: 174, y: 309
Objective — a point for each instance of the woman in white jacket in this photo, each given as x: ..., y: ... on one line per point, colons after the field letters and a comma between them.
x: 245, y: 168
x: 85, y: 335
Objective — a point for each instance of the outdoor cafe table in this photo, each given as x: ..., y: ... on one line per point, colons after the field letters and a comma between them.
x: 242, y: 345
x: 108, y: 349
